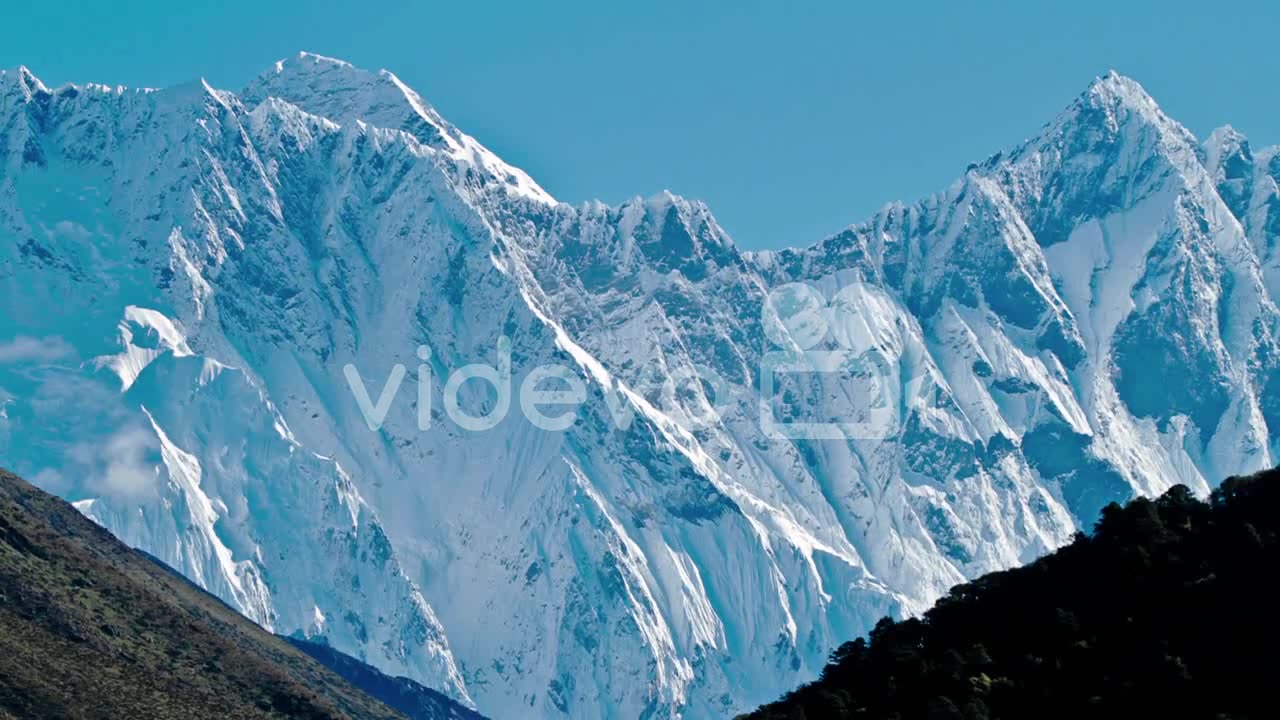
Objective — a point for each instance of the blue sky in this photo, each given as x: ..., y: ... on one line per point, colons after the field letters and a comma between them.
x: 791, y: 120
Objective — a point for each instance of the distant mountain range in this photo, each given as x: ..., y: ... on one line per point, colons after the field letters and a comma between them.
x: 92, y: 629
x: 192, y: 281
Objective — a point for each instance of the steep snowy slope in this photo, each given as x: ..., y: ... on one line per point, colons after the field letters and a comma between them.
x: 188, y: 277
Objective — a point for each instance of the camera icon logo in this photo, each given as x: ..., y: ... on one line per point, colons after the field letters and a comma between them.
x: 831, y: 348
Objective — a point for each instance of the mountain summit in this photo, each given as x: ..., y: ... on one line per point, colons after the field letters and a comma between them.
x: 192, y: 278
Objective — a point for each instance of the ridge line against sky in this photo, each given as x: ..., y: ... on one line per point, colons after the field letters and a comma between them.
x: 790, y: 123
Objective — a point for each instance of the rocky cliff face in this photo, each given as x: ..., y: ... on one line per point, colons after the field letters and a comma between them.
x: 186, y: 273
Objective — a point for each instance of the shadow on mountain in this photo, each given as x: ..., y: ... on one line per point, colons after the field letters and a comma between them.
x: 416, y: 701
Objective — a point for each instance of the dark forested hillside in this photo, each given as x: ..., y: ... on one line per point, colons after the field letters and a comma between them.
x: 1168, y: 610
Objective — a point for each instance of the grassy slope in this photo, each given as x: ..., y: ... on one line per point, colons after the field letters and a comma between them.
x: 92, y: 629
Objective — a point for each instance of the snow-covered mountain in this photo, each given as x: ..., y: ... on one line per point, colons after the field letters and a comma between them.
x: 185, y: 274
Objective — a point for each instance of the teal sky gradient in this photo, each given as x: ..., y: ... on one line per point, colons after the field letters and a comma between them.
x: 791, y: 120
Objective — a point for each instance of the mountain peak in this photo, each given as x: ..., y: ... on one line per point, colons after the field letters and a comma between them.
x: 25, y: 73
x: 312, y: 69
x: 309, y: 64
x: 26, y: 81
x: 1224, y: 143
x: 1115, y: 111
x: 1226, y: 132
x: 1116, y: 91
x: 317, y: 59
x: 339, y: 91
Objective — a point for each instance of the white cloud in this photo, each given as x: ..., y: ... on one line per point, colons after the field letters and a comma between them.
x: 29, y: 349
x: 126, y: 467
x: 73, y: 230
x: 52, y: 481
